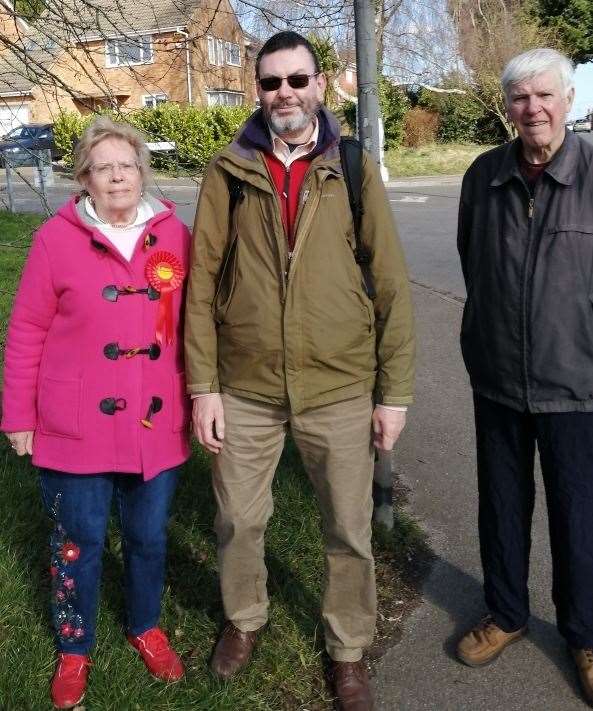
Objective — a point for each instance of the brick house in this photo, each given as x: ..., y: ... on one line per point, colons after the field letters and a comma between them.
x: 122, y: 53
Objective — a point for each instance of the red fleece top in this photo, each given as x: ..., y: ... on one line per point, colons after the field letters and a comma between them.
x: 288, y: 182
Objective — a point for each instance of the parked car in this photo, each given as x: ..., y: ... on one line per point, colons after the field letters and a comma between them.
x: 569, y: 125
x: 583, y: 124
x: 18, y: 143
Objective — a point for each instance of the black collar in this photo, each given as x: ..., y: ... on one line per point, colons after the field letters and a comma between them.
x: 562, y: 168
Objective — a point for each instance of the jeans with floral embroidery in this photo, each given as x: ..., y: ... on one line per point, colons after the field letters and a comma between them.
x: 80, y: 506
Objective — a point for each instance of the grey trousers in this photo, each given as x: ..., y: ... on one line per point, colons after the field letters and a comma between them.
x: 335, y: 445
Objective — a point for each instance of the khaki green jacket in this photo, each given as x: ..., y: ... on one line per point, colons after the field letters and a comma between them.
x: 296, y: 330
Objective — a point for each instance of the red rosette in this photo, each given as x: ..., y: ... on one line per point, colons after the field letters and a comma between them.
x: 164, y: 272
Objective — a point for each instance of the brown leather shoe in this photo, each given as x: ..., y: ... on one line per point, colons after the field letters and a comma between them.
x: 233, y: 651
x: 584, y: 661
x: 482, y: 644
x: 351, y: 686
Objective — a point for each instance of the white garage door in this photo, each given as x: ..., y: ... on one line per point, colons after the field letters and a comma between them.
x: 11, y: 116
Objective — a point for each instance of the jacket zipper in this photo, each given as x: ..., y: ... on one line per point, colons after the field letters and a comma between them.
x: 301, y: 207
x: 525, y: 295
x: 285, y: 194
x: 310, y: 215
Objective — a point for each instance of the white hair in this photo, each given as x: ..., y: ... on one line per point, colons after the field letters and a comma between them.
x: 536, y: 61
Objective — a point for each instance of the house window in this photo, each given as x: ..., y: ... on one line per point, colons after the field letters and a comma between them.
x: 128, y: 50
x: 215, y: 51
x: 221, y: 52
x: 151, y: 100
x: 33, y: 44
x: 233, y: 54
x: 225, y: 98
x: 211, y: 50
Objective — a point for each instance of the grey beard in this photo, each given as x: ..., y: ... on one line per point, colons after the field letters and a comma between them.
x: 290, y: 124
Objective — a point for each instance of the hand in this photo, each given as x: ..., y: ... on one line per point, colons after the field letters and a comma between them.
x: 387, y: 427
x: 208, y: 421
x: 21, y: 442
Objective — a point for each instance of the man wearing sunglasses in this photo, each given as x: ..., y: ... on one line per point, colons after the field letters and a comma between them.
x: 281, y: 335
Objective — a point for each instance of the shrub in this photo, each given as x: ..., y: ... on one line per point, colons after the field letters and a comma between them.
x: 198, y: 133
x: 349, y: 113
x: 420, y: 127
x: 68, y: 127
x: 393, y: 103
x: 462, y: 118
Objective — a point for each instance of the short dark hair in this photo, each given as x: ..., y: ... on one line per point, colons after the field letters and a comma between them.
x: 285, y: 40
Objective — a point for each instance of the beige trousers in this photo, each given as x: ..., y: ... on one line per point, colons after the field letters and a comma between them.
x: 335, y: 445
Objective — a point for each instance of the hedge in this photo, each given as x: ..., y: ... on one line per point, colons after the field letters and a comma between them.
x: 393, y: 103
x: 420, y: 127
x: 198, y: 133
x: 462, y: 118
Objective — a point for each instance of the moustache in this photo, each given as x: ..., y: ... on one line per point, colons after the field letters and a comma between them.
x: 285, y: 105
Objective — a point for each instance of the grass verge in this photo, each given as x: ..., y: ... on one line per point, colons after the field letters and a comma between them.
x: 287, y: 673
x: 288, y: 667
x: 432, y: 159
x: 15, y: 239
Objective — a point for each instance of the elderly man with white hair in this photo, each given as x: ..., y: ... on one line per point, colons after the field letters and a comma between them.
x: 525, y: 239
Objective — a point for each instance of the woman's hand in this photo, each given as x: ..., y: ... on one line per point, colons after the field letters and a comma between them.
x: 21, y: 442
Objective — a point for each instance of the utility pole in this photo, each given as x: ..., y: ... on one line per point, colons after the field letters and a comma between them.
x: 370, y: 134
x: 366, y: 76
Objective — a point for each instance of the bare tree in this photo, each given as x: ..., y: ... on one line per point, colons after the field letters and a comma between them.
x: 490, y: 33
x: 87, y: 55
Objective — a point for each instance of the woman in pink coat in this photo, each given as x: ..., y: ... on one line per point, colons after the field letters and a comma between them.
x: 94, y: 390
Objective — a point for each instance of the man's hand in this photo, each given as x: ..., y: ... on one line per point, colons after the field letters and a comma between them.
x: 208, y: 421
x: 387, y: 426
x: 21, y: 442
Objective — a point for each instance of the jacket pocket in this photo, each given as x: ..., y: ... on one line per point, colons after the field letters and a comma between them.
x: 181, y: 403
x: 59, y: 404
x: 566, y: 249
x: 226, y: 284
x: 578, y: 229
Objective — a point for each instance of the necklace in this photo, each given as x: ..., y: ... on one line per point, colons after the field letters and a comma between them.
x: 115, y: 225
x: 123, y: 225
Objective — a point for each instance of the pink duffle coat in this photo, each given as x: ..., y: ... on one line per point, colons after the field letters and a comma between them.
x: 56, y: 373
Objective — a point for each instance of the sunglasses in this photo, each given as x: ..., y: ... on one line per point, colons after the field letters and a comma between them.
x: 295, y: 81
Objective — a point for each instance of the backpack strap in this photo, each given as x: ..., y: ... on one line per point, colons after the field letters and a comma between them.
x: 351, y: 159
x: 235, y: 192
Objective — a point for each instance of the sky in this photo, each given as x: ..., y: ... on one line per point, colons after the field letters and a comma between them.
x: 583, y: 91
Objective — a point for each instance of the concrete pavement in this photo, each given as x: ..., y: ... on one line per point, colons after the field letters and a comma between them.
x: 435, y: 459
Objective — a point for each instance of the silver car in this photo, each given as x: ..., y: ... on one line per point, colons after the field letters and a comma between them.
x: 583, y: 124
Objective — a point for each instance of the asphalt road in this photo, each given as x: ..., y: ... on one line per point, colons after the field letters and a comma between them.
x: 416, y: 203
x: 435, y: 459
x: 425, y: 210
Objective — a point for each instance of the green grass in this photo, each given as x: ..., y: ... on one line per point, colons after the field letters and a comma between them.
x: 288, y: 666
x: 15, y: 238
x: 432, y: 159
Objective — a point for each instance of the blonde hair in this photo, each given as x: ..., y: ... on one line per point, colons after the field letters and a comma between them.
x: 104, y: 127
